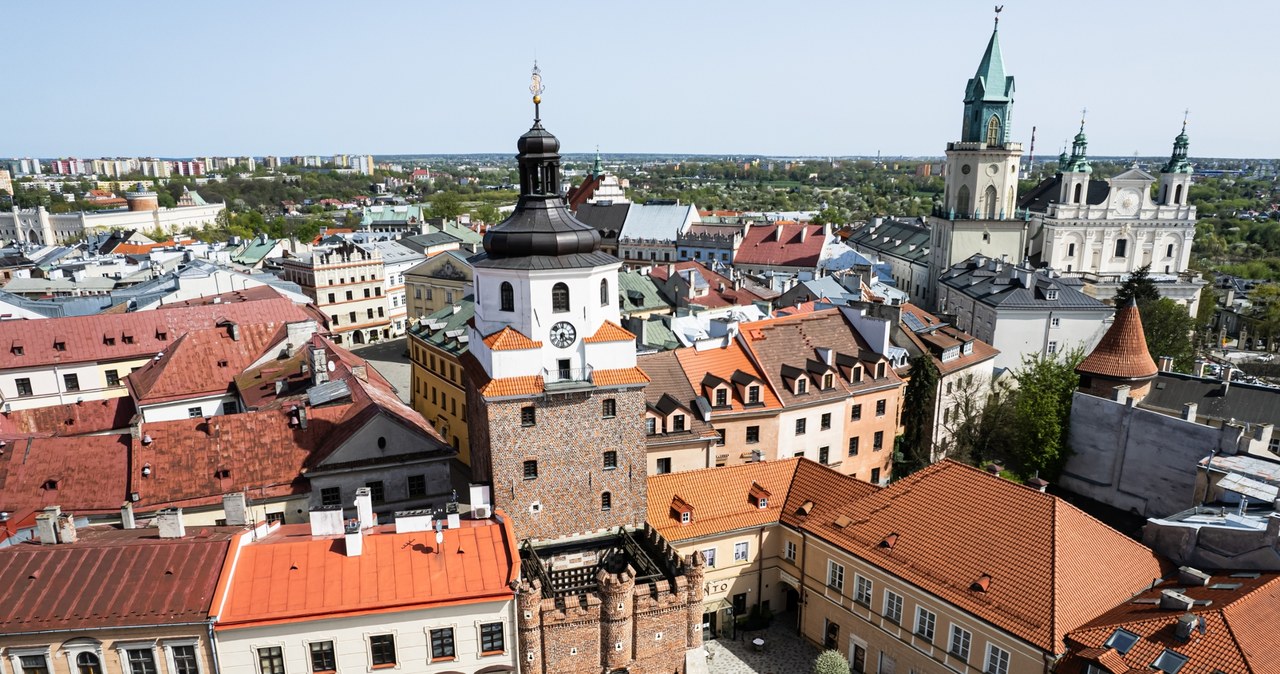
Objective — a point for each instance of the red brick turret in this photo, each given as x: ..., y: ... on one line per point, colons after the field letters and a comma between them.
x: 1121, y: 358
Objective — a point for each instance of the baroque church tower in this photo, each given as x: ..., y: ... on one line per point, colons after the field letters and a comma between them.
x: 557, y: 399
x: 978, y: 211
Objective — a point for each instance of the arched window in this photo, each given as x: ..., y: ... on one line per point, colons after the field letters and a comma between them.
x: 606, y: 501
x: 508, y: 297
x: 604, y: 292
x: 87, y: 663
x: 1075, y: 199
x: 1177, y: 195
x: 560, y: 298
x: 992, y: 202
x: 993, y: 130
x: 962, y: 201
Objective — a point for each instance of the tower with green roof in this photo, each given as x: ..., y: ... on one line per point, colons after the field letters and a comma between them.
x: 1175, y: 176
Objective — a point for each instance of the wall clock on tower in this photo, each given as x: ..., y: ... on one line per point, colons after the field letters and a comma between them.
x: 563, y: 334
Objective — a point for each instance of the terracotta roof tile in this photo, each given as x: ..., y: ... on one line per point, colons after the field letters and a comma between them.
x: 719, y: 498
x: 512, y: 386
x: 1052, y: 567
x: 394, y: 572
x: 798, y: 246
x: 619, y: 377
x: 76, y: 585
x: 610, y: 332
x: 510, y: 339
x: 723, y: 362
x: 827, y: 489
x: 1122, y: 353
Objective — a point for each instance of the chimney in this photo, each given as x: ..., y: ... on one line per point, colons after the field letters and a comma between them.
x: 298, y: 332
x: 327, y: 521
x: 1121, y: 393
x: 1187, y: 622
x: 1189, y: 412
x: 1202, y: 367
x: 777, y: 232
x: 1227, y: 370
x: 1166, y: 363
x: 66, y: 526
x: 354, y: 539
x: 1192, y: 577
x: 319, y: 366
x: 804, y: 229
x: 364, y: 509
x: 233, y: 329
x: 410, y: 521
x: 126, y: 516
x: 1173, y: 600
x: 170, y: 523
x: 233, y: 509
x: 47, y: 525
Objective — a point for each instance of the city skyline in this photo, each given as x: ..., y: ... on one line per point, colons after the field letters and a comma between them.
x: 823, y: 80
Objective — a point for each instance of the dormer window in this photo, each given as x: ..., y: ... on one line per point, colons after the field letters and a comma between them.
x: 753, y: 395
x: 59, y: 345
x: 880, y: 372
x: 968, y: 347
x: 855, y: 374
x: 1051, y: 295
x: 16, y: 348
x: 681, y: 510
x: 686, y: 517
x: 127, y: 338
x: 722, y: 397
x: 758, y: 496
x: 109, y: 341
x: 162, y: 335
x: 802, y: 386
x: 828, y: 381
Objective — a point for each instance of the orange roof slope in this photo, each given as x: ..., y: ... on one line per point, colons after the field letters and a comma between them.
x: 85, y: 475
x: 619, y: 377
x: 610, y: 332
x: 1122, y: 354
x: 203, y: 362
x: 719, y: 497
x: 791, y: 244
x: 291, y: 576
x: 510, y: 339
x: 1051, y: 567
x: 723, y: 362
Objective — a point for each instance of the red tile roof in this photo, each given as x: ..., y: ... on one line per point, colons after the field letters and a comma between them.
x: 511, y: 386
x: 90, y: 416
x: 291, y: 576
x: 85, y: 475
x: 610, y: 332
x: 1122, y: 353
x: 723, y: 362
x: 203, y: 362
x: 111, y: 578
x: 619, y: 377
x: 105, y: 337
x: 1052, y: 568
x: 714, y: 298
x: 800, y: 245
x: 510, y: 339
x: 253, y: 294
x: 139, y: 248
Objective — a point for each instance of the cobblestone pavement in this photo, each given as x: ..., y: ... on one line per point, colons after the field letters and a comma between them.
x: 391, y: 360
x: 785, y: 651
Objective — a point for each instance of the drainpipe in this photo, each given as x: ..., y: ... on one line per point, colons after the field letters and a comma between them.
x: 760, y: 566
x: 213, y: 647
x: 804, y: 559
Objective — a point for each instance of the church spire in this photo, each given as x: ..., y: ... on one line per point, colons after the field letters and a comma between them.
x: 1178, y: 160
x: 596, y: 169
x: 1079, y: 160
x: 988, y: 95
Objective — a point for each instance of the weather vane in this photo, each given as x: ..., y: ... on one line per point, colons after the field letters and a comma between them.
x: 1185, y: 113
x: 1083, y: 112
x: 999, y: 8
x: 536, y: 88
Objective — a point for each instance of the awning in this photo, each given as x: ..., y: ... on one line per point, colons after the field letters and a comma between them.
x: 717, y: 605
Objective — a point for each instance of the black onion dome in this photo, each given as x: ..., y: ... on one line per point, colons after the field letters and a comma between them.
x: 538, y: 140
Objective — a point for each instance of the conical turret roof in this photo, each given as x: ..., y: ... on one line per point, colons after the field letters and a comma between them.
x: 990, y: 83
x: 1122, y: 354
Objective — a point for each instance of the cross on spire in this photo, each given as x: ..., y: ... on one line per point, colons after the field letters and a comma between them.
x: 1185, y: 113
x: 1083, y: 112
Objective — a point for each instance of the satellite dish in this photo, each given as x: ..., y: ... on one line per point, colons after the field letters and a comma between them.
x: 332, y: 366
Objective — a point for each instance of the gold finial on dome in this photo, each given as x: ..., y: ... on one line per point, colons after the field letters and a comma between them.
x: 536, y: 88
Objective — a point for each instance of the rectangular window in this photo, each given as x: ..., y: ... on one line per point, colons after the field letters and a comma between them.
x: 331, y: 496
x: 875, y: 476
x: 677, y: 423
x: 664, y: 465
x: 825, y: 422
x: 925, y: 622
x: 800, y: 424
x: 610, y: 460
x: 1053, y: 347
x: 857, y: 413
x: 193, y: 412
x: 960, y: 640
x: 1168, y: 251
x: 740, y: 551
x: 877, y: 442
x: 753, y: 395
x: 491, y: 639
x: 880, y: 407
x: 1122, y: 247
x: 831, y: 640
x: 34, y: 664
x: 531, y: 469
x: 270, y: 660
x: 442, y: 644
x: 71, y: 382
x: 349, y: 296
x: 651, y: 426
x: 893, y: 606
x: 835, y: 575
x: 720, y: 436
x: 368, y: 292
x: 377, y: 493
x: 853, y: 446
x: 753, y: 435
x: 352, y: 316
x: 722, y: 398
x: 113, y: 378
x: 331, y: 298
x: 824, y: 455
x: 1055, y: 322
x: 369, y: 312
x: 322, y: 659
x: 710, y: 554
x: 229, y: 407
x: 997, y: 660
x: 789, y: 551
x: 528, y: 416
x: 184, y: 659
x: 609, y: 408
x: 862, y: 590
x: 417, y: 486
x: 382, y: 650
x: 24, y: 387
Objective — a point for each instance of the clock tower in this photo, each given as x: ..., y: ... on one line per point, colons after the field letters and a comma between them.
x: 557, y: 401
x: 978, y: 210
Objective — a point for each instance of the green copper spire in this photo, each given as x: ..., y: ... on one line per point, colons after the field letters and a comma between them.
x: 1079, y: 161
x: 597, y: 170
x: 988, y: 97
x: 1178, y: 160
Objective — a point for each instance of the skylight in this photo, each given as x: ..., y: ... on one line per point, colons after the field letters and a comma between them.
x: 1121, y: 640
x: 1170, y: 662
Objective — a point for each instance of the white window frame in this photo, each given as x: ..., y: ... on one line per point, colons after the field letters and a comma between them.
x: 73, y: 648
x: 710, y: 555
x: 991, y: 650
x: 863, y: 595
x: 306, y: 651
x: 889, y: 595
x: 745, y: 548
x: 122, y: 651
x: 257, y: 659
x: 395, y: 642
x: 921, y: 612
x: 789, y: 551
x: 16, y: 655
x: 835, y: 572
x: 426, y: 634
x: 169, y: 662
x: 968, y: 642
x: 506, y: 641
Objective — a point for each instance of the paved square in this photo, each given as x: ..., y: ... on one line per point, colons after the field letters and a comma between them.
x: 785, y: 651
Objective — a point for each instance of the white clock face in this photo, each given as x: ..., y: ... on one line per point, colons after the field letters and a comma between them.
x: 1129, y: 200
x: 563, y: 335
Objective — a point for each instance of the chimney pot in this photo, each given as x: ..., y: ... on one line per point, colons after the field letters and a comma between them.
x: 364, y: 509
x: 327, y: 521
x: 169, y: 521
x: 1189, y: 411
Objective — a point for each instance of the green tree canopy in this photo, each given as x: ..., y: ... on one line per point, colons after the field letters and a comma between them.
x: 1168, y: 326
x: 830, y: 662
x: 1138, y: 286
x: 917, y: 417
x: 447, y: 205
x: 1042, y: 412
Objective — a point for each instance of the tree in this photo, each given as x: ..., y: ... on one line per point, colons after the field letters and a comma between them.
x: 487, y: 213
x: 1042, y: 412
x: 446, y: 205
x: 1138, y: 287
x: 917, y: 416
x: 830, y: 662
x: 981, y: 426
x: 1168, y: 326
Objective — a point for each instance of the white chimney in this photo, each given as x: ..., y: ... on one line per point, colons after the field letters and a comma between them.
x: 480, y: 503
x: 364, y: 509
x: 354, y: 540
x: 804, y: 229
x: 298, y: 332
x: 319, y: 366
x: 170, y: 523
x: 47, y: 525
x: 1166, y: 363
x: 777, y: 232
x: 327, y: 521
x: 234, y: 510
x: 409, y: 521
x: 66, y: 526
x: 1189, y: 411
x: 126, y: 516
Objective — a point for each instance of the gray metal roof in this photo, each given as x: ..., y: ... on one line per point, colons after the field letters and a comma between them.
x: 1244, y: 402
x: 1010, y: 286
x: 906, y: 240
x: 656, y: 221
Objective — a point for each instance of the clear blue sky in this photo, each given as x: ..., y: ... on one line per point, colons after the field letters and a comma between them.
x: 782, y: 78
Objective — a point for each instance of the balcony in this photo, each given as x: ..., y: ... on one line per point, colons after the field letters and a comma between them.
x: 567, y: 378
